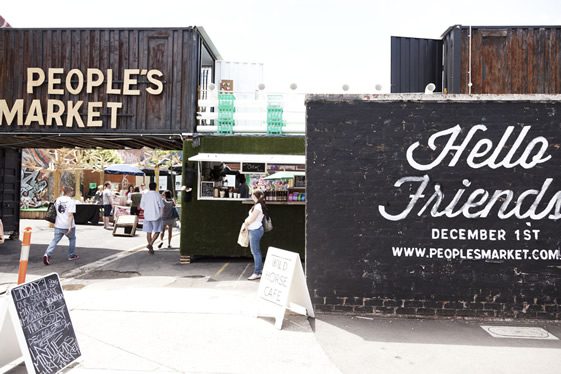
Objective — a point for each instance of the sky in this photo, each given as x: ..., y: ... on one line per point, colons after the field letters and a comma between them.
x: 319, y: 45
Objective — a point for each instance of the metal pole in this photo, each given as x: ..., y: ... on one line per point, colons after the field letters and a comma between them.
x: 24, y: 256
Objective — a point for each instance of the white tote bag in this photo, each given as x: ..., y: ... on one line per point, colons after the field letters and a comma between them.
x: 243, y: 237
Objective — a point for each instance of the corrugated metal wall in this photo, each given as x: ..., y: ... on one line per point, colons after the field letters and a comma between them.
x: 510, y: 59
x: 451, y: 61
x: 415, y: 63
x: 175, y: 52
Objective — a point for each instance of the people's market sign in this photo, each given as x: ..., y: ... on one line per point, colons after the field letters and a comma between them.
x: 77, y: 84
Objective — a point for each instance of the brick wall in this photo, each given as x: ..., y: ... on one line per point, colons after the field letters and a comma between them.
x: 357, y: 153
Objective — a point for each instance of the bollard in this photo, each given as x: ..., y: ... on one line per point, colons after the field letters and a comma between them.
x: 24, y: 255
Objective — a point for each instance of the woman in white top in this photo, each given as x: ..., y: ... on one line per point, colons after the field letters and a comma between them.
x: 254, y: 223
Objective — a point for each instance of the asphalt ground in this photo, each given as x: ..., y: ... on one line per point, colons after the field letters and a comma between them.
x: 137, y: 313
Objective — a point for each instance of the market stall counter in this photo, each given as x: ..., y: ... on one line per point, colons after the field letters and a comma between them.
x: 87, y: 214
x: 222, y: 194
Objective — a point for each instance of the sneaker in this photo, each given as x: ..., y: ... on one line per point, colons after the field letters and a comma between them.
x: 47, y: 260
x: 73, y: 258
x: 254, y: 276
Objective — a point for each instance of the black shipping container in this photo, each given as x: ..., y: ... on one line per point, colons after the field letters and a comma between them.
x: 415, y: 63
x: 156, y: 119
x: 483, y: 60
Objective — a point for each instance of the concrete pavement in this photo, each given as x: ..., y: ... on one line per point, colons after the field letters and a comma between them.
x: 136, y: 313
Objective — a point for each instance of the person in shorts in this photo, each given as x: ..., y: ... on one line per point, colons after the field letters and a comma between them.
x: 107, y: 200
x: 168, y: 219
x: 152, y: 204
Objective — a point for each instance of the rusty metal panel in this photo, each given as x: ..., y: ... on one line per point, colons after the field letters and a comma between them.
x: 510, y: 59
x: 415, y: 63
x: 173, y: 52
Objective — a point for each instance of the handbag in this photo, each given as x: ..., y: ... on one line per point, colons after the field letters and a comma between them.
x: 174, y: 213
x: 243, y: 237
x: 51, y: 213
x: 267, y: 224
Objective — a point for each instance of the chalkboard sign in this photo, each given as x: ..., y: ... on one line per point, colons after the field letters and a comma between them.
x: 207, y: 189
x: 46, y: 324
x: 299, y: 181
x: 253, y: 167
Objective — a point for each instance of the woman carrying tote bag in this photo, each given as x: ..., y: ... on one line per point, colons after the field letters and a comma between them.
x: 254, y: 223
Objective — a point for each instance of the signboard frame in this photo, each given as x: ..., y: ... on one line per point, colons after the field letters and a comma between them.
x: 283, y: 283
x: 53, y: 281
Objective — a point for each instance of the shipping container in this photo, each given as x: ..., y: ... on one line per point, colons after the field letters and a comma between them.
x: 415, y: 63
x: 485, y: 60
x: 142, y: 84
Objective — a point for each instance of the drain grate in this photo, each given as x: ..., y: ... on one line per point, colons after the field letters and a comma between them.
x: 193, y: 276
x: 109, y: 274
x: 519, y: 332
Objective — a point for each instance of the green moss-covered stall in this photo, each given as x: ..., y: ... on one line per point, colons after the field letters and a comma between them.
x: 210, y: 228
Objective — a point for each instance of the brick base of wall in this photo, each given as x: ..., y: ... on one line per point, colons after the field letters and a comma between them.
x: 434, y: 309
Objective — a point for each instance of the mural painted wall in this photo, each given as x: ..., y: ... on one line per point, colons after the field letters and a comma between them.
x: 440, y: 207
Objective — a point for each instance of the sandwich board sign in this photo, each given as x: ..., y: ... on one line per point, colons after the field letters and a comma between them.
x: 284, y: 284
x: 40, y: 326
x: 10, y: 353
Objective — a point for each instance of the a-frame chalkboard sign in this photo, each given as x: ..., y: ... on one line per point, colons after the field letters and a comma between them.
x: 42, y: 324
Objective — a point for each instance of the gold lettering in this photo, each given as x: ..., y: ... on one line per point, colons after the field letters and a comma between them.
x: 31, y: 81
x: 114, y: 106
x: 75, y: 90
x: 52, y: 81
x: 110, y: 89
x: 94, y: 82
x: 54, y: 114
x: 17, y: 108
x: 35, y: 113
x: 128, y: 81
x: 93, y: 114
x: 72, y: 113
x: 156, y: 82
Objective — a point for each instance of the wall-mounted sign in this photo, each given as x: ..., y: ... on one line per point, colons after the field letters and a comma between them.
x: 454, y: 199
x: 55, y: 112
x: 253, y: 167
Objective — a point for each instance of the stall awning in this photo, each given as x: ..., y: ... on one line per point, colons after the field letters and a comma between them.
x: 241, y: 157
x: 285, y: 174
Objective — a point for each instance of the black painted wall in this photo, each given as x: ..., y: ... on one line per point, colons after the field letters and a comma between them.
x: 357, y: 151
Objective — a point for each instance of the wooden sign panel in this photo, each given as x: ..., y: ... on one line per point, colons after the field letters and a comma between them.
x: 44, y: 327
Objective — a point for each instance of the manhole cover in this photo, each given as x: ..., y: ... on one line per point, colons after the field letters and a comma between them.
x: 73, y: 287
x: 518, y: 332
x: 109, y: 274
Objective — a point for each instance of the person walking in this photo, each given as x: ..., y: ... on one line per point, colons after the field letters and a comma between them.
x: 254, y: 223
x: 107, y: 205
x: 64, y: 225
x: 152, y: 204
x: 168, y: 218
